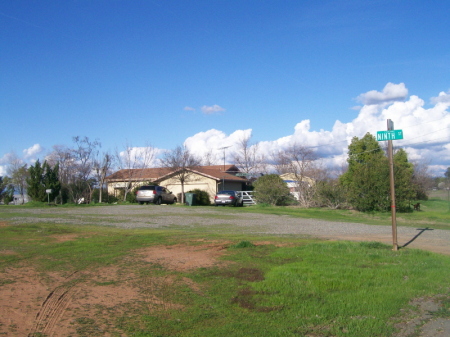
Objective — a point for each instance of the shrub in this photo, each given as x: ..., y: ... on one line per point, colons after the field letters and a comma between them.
x: 271, y: 189
x: 244, y: 244
x: 330, y: 193
x: 201, y: 197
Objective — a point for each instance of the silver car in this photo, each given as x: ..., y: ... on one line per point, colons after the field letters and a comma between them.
x: 229, y: 198
x: 155, y: 194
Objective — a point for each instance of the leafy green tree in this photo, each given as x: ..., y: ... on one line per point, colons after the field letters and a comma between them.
x: 51, y: 180
x: 271, y: 189
x: 36, y: 188
x: 367, y: 179
x: 41, y: 178
x: 447, y: 173
x: 6, y: 190
x: 405, y: 189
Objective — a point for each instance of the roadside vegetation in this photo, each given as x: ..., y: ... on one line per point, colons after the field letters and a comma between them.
x: 434, y: 212
x: 291, y: 176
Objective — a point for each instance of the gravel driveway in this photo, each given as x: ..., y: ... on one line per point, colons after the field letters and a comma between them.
x: 252, y: 223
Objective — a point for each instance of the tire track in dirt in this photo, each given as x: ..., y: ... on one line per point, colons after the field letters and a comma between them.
x: 53, y: 307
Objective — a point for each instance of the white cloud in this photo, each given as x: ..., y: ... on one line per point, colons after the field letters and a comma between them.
x: 142, y: 154
x: 443, y: 98
x: 32, y: 151
x: 188, y: 108
x: 209, y: 110
x: 426, y: 131
x: 214, y: 140
x: 391, y: 93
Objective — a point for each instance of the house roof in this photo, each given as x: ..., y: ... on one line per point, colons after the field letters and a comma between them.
x: 292, y: 178
x: 216, y: 172
x: 149, y: 174
x: 213, y: 172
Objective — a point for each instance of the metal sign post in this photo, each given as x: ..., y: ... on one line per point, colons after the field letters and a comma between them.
x: 393, y: 208
x: 390, y: 135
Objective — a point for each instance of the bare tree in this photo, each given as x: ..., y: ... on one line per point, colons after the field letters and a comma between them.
x: 102, y: 167
x: 76, y: 167
x: 422, y: 179
x: 83, y: 154
x: 302, y: 163
x: 133, y: 160
x: 63, y: 156
x: 180, y: 161
x: 210, y: 158
x: 247, y: 157
x: 18, y: 172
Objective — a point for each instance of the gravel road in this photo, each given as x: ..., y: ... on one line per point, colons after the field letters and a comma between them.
x: 162, y: 216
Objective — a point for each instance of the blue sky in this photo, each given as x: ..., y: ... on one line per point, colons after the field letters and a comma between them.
x: 204, y: 73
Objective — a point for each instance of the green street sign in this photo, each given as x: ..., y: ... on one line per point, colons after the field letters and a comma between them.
x: 389, y: 135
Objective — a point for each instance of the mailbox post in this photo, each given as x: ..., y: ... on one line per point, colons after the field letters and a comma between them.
x: 48, y: 194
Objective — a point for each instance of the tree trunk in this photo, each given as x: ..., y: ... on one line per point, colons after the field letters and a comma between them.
x: 182, y: 193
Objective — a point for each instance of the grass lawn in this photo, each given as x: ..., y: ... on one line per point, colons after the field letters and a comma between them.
x: 259, y: 285
x: 434, y: 212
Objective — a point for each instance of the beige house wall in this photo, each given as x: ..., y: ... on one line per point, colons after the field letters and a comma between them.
x: 115, y: 187
x: 194, y: 181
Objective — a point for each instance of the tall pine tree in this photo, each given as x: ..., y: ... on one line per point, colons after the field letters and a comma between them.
x: 367, y: 178
x: 41, y: 178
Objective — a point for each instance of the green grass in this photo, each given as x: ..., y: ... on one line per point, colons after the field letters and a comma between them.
x: 288, y: 287
x: 434, y: 213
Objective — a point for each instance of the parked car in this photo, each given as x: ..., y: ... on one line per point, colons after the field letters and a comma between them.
x: 229, y: 198
x: 155, y: 194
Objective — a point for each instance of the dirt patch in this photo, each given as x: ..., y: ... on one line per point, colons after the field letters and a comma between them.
x: 84, y: 303
x: 7, y: 252
x: 182, y: 258
x: 64, y: 237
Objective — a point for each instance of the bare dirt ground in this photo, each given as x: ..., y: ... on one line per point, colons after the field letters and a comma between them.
x: 56, y: 304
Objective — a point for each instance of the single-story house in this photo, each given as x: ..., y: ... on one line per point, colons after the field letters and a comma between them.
x: 211, y: 179
x: 294, y: 185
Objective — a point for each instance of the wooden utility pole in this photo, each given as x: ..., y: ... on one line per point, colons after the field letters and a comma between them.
x: 390, y: 126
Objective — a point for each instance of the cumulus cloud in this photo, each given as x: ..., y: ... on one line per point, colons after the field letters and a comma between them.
x: 391, y: 93
x: 188, y: 108
x: 426, y: 130
x: 3, y: 166
x: 32, y: 151
x: 209, y: 110
x: 215, y: 141
x: 140, y: 155
x: 444, y: 98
